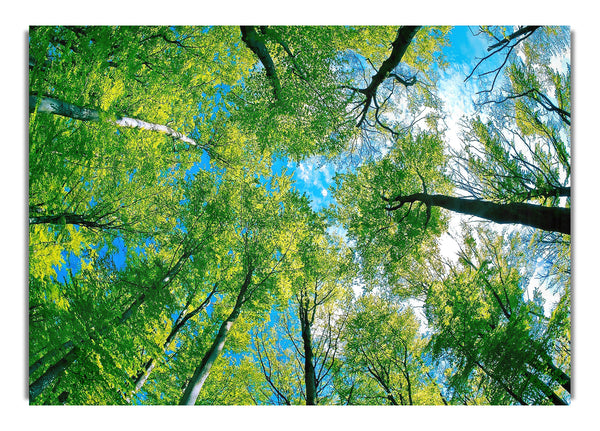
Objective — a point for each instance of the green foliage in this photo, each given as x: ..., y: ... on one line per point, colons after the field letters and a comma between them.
x: 384, y: 353
x: 485, y: 325
x: 142, y: 245
x: 387, y: 240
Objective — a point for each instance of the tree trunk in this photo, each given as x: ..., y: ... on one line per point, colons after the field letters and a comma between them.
x: 544, y: 365
x: 179, y: 323
x: 66, y: 361
x: 388, y: 393
x: 547, y: 218
x: 192, y: 390
x: 143, y: 376
x: 253, y: 41
x: 403, y: 39
x: 45, y: 358
x: 520, y: 32
x: 65, y: 109
x: 548, y: 392
x: 70, y: 218
x: 310, y: 381
x: 52, y: 373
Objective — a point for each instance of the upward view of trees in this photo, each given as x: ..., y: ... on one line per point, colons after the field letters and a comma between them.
x: 177, y: 255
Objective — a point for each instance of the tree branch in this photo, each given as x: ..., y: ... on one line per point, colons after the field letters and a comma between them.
x: 403, y: 39
x: 255, y: 42
x: 554, y: 219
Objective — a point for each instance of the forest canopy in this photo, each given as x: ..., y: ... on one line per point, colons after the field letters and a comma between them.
x: 299, y: 215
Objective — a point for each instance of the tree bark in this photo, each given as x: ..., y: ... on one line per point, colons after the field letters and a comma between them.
x: 545, y: 365
x: 388, y: 393
x: 192, y: 390
x: 65, y: 109
x: 310, y: 381
x: 255, y: 42
x: 52, y: 373
x: 520, y: 32
x: 45, y: 358
x: 183, y: 318
x: 547, y: 218
x: 67, y: 218
x: 403, y: 39
x: 548, y: 392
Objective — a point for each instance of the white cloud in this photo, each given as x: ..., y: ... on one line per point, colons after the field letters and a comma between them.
x: 457, y: 96
x: 560, y: 62
x: 304, y: 171
x: 324, y: 192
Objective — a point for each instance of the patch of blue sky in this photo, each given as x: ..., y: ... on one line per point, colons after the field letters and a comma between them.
x: 180, y: 227
x: 210, y: 307
x: 119, y: 257
x: 62, y: 270
x: 102, y: 249
x: 131, y: 174
x: 234, y: 358
x: 464, y: 47
x: 72, y: 262
x: 70, y: 266
x: 140, y: 251
x: 458, y: 96
x: 88, y: 184
x: 195, y: 168
x: 140, y: 398
x: 315, y: 179
x: 151, y: 242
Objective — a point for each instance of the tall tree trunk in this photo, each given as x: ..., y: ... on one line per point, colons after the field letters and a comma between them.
x: 407, y: 375
x: 46, y: 357
x: 192, y: 390
x: 469, y: 355
x: 545, y: 365
x: 548, y: 392
x: 143, y: 376
x: 310, y: 380
x: 65, y: 109
x: 52, y: 373
x: 388, y: 393
x: 547, y: 218
x: 183, y: 318
x: 522, y: 31
x: 66, y: 218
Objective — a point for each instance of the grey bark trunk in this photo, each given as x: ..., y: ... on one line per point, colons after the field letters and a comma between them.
x: 192, y: 390
x: 45, y: 358
x: 52, y: 373
x: 403, y: 40
x: 253, y: 41
x: 179, y: 323
x: 65, y: 109
x: 309, y: 368
x: 548, y: 392
x: 143, y: 377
